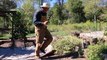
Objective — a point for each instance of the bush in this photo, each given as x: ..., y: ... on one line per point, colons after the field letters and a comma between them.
x: 104, y: 51
x: 66, y: 45
x: 32, y: 29
x: 105, y: 33
x: 96, y: 52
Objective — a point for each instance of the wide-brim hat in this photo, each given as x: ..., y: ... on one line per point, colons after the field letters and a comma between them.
x: 45, y: 5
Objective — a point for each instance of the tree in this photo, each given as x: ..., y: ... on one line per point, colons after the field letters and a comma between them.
x: 19, y: 27
x: 75, y: 9
x: 60, y: 9
x: 28, y: 11
x: 55, y: 17
x: 7, y: 5
x: 92, y: 9
x: 58, y: 15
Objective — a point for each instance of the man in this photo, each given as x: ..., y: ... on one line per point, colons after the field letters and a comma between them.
x: 41, y: 30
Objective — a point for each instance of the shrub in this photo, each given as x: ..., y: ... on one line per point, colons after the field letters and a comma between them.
x: 32, y: 29
x: 104, y: 51
x: 105, y: 33
x: 66, y: 45
x: 96, y: 52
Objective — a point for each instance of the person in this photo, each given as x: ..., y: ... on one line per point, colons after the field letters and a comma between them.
x: 41, y: 31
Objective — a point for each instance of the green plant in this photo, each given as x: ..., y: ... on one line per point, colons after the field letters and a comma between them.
x: 105, y: 33
x: 95, y: 52
x: 5, y: 36
x: 30, y: 35
x: 104, y: 51
x: 19, y: 26
x: 54, y: 28
x: 66, y: 45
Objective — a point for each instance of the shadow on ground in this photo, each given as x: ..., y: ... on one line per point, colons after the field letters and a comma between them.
x: 63, y: 57
x: 9, y: 52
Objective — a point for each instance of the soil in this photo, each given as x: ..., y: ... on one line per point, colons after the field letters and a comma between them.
x: 26, y: 53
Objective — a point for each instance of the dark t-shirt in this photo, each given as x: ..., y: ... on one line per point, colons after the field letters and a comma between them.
x: 38, y: 16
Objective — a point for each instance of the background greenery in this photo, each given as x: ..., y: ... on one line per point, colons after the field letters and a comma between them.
x: 63, y: 12
x: 65, y: 17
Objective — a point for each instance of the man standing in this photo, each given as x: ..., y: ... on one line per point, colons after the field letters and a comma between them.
x: 41, y: 30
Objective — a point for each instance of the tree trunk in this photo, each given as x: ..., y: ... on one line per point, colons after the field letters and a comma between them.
x: 42, y: 2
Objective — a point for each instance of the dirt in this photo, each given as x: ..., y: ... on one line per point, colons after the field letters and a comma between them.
x: 26, y: 53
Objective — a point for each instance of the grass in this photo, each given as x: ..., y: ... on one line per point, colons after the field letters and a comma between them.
x: 66, y: 29
x: 5, y: 36
x: 60, y: 33
x: 31, y: 35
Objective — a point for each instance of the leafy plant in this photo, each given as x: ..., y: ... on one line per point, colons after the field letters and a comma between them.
x: 19, y: 28
x: 66, y: 45
x: 96, y: 52
x: 105, y: 33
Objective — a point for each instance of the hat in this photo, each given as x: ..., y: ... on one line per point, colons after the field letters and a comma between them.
x: 45, y: 5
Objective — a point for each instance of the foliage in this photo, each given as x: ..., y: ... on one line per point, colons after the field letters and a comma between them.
x: 65, y: 29
x: 5, y: 23
x: 55, y: 28
x: 19, y: 27
x: 57, y: 17
x: 57, y: 13
x: 103, y: 17
x: 7, y: 5
x: 105, y: 33
x: 95, y: 52
x: 92, y: 9
x: 73, y: 12
x: 1, y: 24
x: 28, y: 14
x: 75, y: 9
x: 5, y: 36
x: 66, y: 44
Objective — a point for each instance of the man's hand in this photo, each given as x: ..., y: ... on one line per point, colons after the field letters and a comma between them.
x: 46, y: 22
